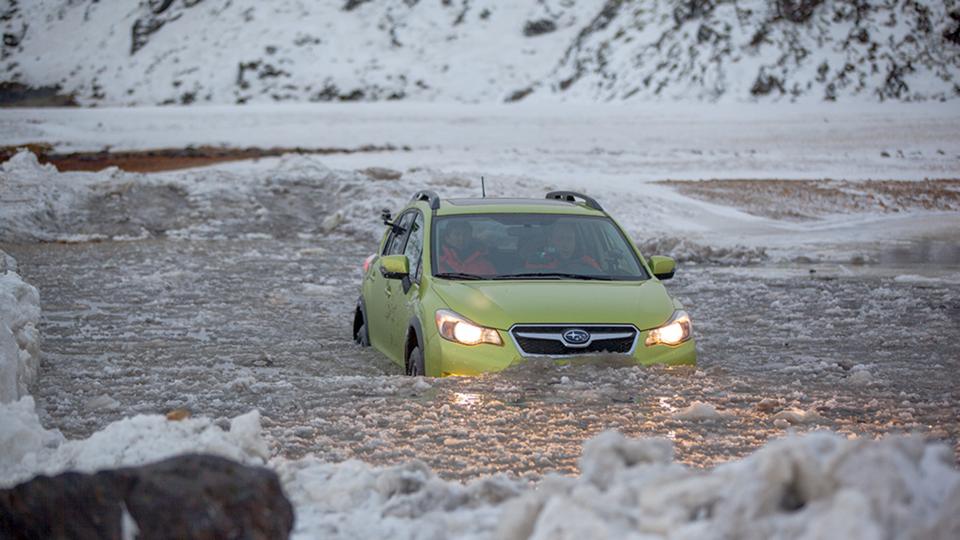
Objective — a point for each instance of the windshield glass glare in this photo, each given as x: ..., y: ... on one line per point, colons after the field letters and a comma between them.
x: 532, y: 246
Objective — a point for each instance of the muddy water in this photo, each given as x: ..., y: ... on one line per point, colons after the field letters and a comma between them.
x: 220, y: 327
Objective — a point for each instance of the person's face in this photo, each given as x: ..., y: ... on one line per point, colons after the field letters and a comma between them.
x: 563, y: 240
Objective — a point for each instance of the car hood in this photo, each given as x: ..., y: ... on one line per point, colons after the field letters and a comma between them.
x: 501, y: 304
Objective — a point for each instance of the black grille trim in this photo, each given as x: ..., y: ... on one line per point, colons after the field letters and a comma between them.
x: 531, y: 346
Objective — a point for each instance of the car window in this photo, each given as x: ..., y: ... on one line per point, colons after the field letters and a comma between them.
x: 533, y: 246
x: 414, y: 247
x: 396, y: 240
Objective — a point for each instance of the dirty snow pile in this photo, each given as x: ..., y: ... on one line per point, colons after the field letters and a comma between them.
x: 820, y: 485
x: 19, y: 339
x: 171, y: 51
x: 295, y: 195
x: 27, y: 449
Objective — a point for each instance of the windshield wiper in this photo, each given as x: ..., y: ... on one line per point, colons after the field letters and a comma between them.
x: 457, y: 275
x: 552, y: 275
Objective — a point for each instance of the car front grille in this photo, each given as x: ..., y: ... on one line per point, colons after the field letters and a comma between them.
x: 537, y: 339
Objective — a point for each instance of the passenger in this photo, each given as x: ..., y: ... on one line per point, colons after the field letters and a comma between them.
x: 561, y: 252
x: 459, y: 252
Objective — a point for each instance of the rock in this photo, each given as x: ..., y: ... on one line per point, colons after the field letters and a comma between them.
x: 188, y: 497
x: 538, y: 27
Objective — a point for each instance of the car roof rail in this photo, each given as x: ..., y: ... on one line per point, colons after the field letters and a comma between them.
x: 572, y: 196
x: 429, y: 196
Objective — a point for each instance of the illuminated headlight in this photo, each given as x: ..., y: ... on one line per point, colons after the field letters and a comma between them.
x: 455, y: 328
x: 675, y: 332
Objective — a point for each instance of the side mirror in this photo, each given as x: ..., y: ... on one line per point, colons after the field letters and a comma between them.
x: 662, y: 267
x: 394, y: 266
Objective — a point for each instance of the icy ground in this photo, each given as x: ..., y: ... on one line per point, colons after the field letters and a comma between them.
x: 226, y: 289
x: 599, y: 144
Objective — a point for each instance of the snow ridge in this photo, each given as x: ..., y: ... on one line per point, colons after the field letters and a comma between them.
x: 189, y: 51
x: 820, y: 485
x: 19, y: 338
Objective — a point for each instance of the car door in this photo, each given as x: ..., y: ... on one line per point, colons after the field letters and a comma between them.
x: 402, y: 295
x: 380, y: 289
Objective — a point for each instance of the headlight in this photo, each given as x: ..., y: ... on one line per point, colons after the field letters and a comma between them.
x: 675, y: 332
x: 455, y: 328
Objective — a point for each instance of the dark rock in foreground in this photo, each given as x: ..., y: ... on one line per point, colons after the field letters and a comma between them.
x: 188, y: 497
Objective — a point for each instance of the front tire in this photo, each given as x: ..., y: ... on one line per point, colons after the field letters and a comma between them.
x: 363, y: 336
x: 361, y: 326
x: 415, y: 363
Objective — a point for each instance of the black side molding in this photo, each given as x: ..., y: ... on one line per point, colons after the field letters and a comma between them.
x: 572, y: 196
x: 429, y: 196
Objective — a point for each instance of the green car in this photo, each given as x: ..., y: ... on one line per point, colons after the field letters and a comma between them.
x: 469, y: 286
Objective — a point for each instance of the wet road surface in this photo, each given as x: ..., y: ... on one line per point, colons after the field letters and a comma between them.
x: 223, y: 326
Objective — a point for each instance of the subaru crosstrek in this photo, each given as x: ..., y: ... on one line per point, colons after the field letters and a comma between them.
x: 468, y: 286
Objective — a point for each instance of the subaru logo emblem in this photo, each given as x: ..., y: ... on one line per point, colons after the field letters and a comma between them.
x: 576, y: 336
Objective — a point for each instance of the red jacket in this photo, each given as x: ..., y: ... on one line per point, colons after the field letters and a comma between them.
x: 475, y: 263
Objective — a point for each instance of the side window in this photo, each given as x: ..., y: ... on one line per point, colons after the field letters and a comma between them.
x: 414, y: 247
x: 395, y: 241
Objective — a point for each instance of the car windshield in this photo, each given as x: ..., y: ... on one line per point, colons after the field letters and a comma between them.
x: 533, y: 247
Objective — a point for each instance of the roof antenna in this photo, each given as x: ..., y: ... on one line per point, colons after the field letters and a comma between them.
x: 483, y: 188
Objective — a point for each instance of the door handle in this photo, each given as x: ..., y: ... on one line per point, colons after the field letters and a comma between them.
x: 387, y: 290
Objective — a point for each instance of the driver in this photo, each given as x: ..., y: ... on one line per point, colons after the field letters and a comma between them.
x: 459, y: 252
x: 561, y: 252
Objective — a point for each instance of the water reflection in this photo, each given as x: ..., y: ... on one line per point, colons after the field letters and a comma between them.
x: 465, y: 399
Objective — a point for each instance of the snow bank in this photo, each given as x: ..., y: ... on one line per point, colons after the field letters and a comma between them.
x: 25, y: 446
x: 19, y: 339
x: 820, y: 485
x: 290, y: 196
x: 28, y: 449
x: 817, y: 486
x: 49, y: 206
x: 354, y: 500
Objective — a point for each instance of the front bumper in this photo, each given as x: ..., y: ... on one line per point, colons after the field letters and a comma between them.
x: 448, y: 358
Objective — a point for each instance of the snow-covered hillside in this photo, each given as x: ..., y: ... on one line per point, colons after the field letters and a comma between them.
x: 196, y: 51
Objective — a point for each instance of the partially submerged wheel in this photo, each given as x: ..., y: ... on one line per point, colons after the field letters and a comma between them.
x: 415, y: 363
x: 363, y: 336
x: 361, y: 328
